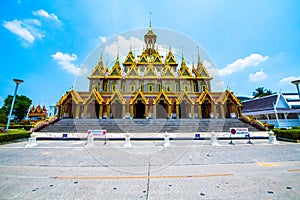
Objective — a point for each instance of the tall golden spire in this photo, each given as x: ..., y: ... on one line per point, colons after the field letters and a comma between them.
x: 150, y: 38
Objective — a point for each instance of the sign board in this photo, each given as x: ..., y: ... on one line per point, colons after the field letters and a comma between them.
x: 97, y: 132
x: 239, y: 132
x: 197, y: 136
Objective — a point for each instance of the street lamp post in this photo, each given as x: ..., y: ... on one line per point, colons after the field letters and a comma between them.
x: 17, y: 81
x: 297, y: 82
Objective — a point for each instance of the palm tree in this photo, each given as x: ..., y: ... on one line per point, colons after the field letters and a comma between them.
x: 261, y: 92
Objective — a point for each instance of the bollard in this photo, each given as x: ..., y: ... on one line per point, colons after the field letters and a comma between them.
x: 32, y: 140
x: 90, y: 139
x: 166, y: 139
x: 214, y: 139
x: 127, y: 140
x: 272, y: 138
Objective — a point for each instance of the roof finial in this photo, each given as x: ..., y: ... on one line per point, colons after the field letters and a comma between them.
x: 150, y: 27
x: 198, y: 54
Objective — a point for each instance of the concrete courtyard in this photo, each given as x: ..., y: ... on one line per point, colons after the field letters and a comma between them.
x: 185, y: 169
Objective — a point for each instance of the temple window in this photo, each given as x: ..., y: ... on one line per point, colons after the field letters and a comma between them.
x: 123, y: 87
x: 132, y: 88
x: 186, y: 88
x: 150, y: 87
x: 113, y: 88
x: 105, y: 87
x: 176, y: 87
x: 203, y: 87
x: 168, y: 88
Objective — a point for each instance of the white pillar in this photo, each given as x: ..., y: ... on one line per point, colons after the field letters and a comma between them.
x: 166, y: 139
x: 127, y: 140
x: 214, y: 139
x: 272, y: 138
x: 90, y: 140
x: 32, y: 140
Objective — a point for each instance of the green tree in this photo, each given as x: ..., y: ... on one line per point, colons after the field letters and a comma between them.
x: 21, y: 106
x: 3, y: 116
x: 262, y: 92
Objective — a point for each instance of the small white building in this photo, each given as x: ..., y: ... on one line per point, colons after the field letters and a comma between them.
x: 281, y: 109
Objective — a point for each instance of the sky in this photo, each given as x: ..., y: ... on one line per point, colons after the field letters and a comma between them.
x: 252, y: 43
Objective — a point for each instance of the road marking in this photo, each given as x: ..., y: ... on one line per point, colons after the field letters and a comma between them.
x: 267, y: 164
x: 293, y: 170
x: 136, y: 177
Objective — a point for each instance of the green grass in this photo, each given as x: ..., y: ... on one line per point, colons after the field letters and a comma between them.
x: 13, y: 134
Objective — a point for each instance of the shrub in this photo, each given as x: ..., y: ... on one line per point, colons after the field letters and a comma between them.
x: 6, y: 137
x: 288, y: 133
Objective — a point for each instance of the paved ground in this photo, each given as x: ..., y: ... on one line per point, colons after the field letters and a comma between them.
x: 186, y: 169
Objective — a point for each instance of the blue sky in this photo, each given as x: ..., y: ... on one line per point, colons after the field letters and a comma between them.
x: 252, y: 43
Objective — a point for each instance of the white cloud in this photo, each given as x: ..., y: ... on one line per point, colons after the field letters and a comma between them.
x: 65, y: 61
x: 26, y: 29
x: 43, y: 13
x: 122, y: 45
x: 17, y: 28
x: 288, y: 80
x: 252, y: 60
x: 102, y: 39
x: 257, y: 76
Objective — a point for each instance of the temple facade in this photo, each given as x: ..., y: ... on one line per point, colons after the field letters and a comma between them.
x: 149, y: 86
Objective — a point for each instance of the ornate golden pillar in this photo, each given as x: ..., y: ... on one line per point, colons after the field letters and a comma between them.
x: 214, y: 110
x: 123, y: 111
x: 108, y: 111
x: 131, y: 111
x: 177, y: 111
x: 85, y: 107
x: 169, y: 111
x: 222, y: 109
x: 101, y: 111
x: 60, y: 110
x: 146, y: 111
x: 199, y: 111
x: 239, y: 111
x: 192, y: 111
x: 154, y: 111
x: 77, y: 111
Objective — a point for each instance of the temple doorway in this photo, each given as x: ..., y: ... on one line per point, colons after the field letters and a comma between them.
x: 139, y: 110
x: 206, y: 109
x: 161, y: 110
x: 184, y: 109
x: 97, y: 108
x: 117, y: 108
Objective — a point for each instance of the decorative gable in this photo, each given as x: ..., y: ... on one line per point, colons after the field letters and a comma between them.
x: 170, y: 59
x: 150, y: 71
x: 116, y: 69
x: 129, y: 59
x: 184, y: 69
x: 133, y: 71
x: 168, y: 71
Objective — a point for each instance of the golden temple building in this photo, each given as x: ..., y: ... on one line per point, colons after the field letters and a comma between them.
x: 149, y: 86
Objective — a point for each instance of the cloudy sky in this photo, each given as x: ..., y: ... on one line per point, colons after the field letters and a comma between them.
x: 46, y: 43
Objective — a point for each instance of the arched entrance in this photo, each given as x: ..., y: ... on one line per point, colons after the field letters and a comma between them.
x: 139, y: 110
x: 184, y: 110
x: 97, y: 108
x: 229, y: 109
x: 68, y: 110
x: 161, y: 110
x: 206, y: 109
x: 117, y: 108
